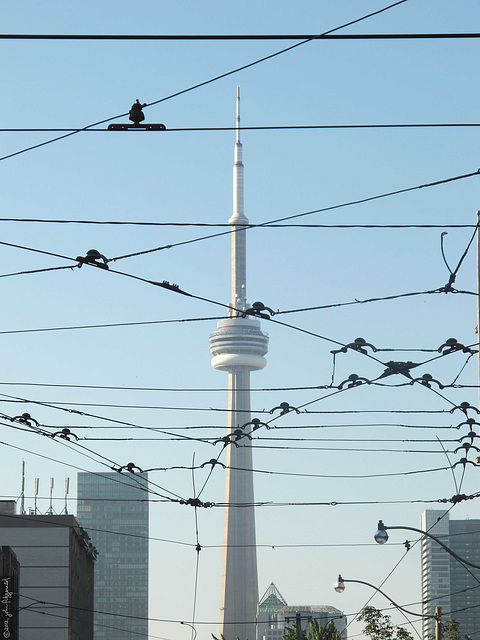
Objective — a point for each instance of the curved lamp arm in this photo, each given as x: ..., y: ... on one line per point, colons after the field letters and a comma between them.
x: 340, y: 587
x: 382, y: 536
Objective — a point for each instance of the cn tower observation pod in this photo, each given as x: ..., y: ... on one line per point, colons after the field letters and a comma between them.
x: 238, y: 342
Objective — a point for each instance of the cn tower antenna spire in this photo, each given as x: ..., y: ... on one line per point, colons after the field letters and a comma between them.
x: 238, y: 347
x: 238, y: 115
x: 238, y: 222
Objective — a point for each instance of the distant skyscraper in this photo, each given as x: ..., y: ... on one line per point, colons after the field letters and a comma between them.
x: 113, y: 508
x: 238, y: 346
x: 446, y: 582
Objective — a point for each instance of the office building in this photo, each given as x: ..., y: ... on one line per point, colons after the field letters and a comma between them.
x: 274, y: 615
x: 55, y: 571
x: 113, y: 507
x: 9, y: 593
x: 446, y: 582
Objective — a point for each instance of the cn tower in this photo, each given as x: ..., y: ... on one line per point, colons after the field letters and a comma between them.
x: 238, y: 346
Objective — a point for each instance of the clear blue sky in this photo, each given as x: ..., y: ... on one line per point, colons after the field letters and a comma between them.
x: 186, y: 177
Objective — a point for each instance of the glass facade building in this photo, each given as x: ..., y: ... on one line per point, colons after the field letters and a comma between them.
x: 274, y: 616
x: 446, y: 583
x: 113, y: 508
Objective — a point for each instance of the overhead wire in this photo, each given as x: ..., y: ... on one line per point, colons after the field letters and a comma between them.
x: 70, y: 465
x: 209, y: 81
x: 152, y: 223
x: 102, y: 460
x: 285, y: 127
x: 120, y: 423
x: 198, y: 548
x: 234, y: 37
x: 108, y: 325
x: 176, y: 289
x: 306, y: 213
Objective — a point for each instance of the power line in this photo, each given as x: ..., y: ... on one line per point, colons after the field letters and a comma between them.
x: 255, y: 128
x: 122, y: 424
x: 209, y: 81
x: 203, y: 37
x: 250, y: 225
x: 147, y: 490
x: 264, y: 224
x: 107, y: 325
x: 308, y: 213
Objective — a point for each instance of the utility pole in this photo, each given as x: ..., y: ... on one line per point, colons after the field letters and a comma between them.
x: 298, y: 619
x: 478, y: 299
x: 438, y: 624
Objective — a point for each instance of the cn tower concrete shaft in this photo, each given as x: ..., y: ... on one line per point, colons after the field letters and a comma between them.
x: 238, y: 346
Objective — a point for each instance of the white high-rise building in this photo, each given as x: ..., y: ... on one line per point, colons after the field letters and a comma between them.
x: 238, y: 346
x: 446, y: 582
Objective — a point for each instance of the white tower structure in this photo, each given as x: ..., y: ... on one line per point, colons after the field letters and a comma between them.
x: 238, y: 346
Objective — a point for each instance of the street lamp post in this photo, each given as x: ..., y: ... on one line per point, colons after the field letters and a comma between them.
x: 437, y: 616
x: 382, y: 536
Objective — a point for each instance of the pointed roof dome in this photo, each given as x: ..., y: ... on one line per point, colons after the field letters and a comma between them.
x: 272, y: 599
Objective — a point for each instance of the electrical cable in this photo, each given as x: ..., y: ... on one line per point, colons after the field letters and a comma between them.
x: 265, y: 224
x: 343, y: 476
x: 198, y: 548
x: 306, y: 213
x: 108, y: 325
x: 49, y: 522
x: 206, y: 82
x: 123, y: 424
x: 342, y: 449
x: 77, y: 468
x: 371, y: 198
x: 365, y: 301
x: 31, y: 271
x: 209, y: 439
x: 250, y: 225
x: 286, y: 427
x: 203, y: 37
x: 75, y: 411
x: 189, y: 389
x: 285, y: 127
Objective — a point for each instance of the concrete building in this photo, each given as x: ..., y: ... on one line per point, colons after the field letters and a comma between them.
x: 274, y: 615
x: 238, y: 346
x: 113, y: 507
x: 9, y: 593
x: 447, y: 583
x: 56, y: 561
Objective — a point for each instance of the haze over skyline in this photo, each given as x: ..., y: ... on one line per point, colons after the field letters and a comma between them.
x: 353, y: 455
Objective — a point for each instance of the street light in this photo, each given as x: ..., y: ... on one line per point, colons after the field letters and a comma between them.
x: 381, y: 537
x: 340, y: 588
x: 437, y: 616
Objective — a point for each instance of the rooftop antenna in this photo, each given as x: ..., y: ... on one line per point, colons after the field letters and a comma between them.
x: 50, y: 510
x: 37, y: 484
x: 67, y: 485
x: 22, y: 494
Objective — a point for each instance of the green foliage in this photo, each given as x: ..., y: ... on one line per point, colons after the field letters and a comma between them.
x: 316, y: 632
x: 451, y: 631
x: 379, y: 627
